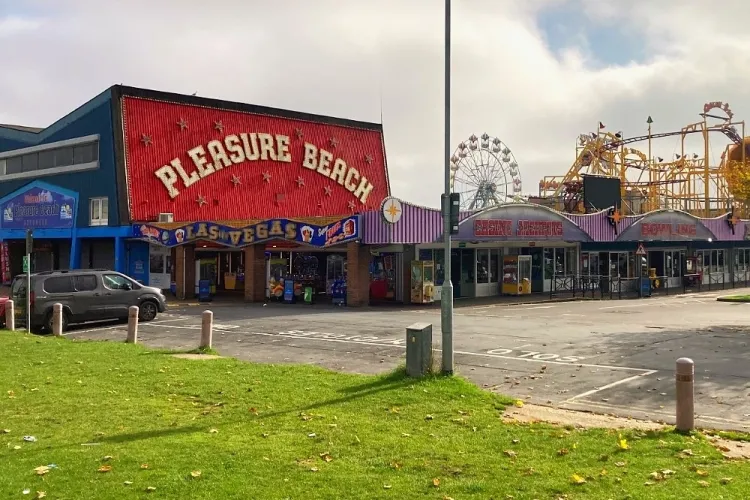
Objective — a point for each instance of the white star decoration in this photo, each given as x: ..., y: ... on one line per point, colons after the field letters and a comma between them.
x: 266, y: 177
x: 146, y: 139
x: 368, y: 159
x: 351, y: 205
x: 333, y: 142
x: 300, y: 181
x: 236, y: 181
x: 182, y: 124
x: 201, y: 200
x: 328, y: 190
x: 219, y: 126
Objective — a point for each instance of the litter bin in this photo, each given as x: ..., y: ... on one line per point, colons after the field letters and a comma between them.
x: 204, y: 291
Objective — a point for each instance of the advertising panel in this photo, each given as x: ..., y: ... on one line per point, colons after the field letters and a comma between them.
x: 38, y: 207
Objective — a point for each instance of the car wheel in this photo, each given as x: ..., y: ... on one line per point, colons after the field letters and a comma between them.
x: 147, y: 311
x: 48, y: 322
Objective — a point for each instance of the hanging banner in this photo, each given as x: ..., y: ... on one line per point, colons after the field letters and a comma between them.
x: 4, y: 263
x: 341, y: 231
x: 38, y: 207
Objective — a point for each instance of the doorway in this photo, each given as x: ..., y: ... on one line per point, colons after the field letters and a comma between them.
x: 537, y: 269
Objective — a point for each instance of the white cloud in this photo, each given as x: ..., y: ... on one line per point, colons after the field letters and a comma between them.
x: 338, y: 58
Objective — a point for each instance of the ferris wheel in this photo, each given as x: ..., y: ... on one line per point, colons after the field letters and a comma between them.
x: 484, y: 173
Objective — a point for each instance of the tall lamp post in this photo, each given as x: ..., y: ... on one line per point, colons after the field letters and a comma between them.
x: 446, y: 309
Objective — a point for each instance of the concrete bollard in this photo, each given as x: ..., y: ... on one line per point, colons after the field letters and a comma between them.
x: 207, y: 329
x: 133, y: 312
x: 10, y: 316
x: 418, y: 349
x: 684, y: 385
x: 57, y: 317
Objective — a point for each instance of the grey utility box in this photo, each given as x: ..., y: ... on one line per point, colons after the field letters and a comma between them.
x: 418, y: 349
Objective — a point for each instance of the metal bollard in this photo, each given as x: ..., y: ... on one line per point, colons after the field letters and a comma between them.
x: 10, y: 316
x: 57, y: 317
x: 132, y: 325
x: 684, y: 384
x: 207, y: 327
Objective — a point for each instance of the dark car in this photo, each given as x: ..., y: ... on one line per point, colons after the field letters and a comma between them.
x: 86, y: 295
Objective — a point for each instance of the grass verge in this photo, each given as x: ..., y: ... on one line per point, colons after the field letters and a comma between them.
x: 113, y: 420
x: 734, y: 298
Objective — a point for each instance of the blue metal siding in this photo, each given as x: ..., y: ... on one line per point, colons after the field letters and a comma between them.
x: 88, y: 184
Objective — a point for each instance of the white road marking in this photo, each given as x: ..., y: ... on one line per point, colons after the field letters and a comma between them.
x: 609, y: 386
x: 124, y: 325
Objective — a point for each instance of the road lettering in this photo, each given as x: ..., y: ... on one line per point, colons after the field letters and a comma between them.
x: 536, y: 355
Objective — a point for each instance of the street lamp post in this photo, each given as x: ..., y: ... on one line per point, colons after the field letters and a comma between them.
x: 446, y: 309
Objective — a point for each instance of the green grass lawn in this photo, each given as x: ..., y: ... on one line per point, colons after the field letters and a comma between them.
x: 122, y: 421
x: 734, y: 298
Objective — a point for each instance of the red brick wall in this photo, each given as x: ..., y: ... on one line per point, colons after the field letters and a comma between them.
x: 358, y: 274
x: 184, y: 269
x: 255, y: 273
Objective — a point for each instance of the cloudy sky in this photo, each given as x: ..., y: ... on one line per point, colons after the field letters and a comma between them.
x: 534, y: 73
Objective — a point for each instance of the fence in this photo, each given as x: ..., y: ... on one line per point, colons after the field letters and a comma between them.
x: 607, y: 287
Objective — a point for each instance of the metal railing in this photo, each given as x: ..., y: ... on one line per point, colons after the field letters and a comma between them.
x: 611, y: 287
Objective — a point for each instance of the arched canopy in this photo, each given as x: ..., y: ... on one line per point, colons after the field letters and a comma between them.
x: 667, y: 225
x: 519, y: 222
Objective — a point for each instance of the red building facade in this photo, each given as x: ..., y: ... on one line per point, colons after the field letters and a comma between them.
x: 244, y: 196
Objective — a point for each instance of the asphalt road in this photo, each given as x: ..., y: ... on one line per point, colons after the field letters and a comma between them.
x: 611, y: 357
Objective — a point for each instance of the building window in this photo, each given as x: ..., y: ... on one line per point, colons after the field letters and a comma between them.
x: 99, y: 211
x: 70, y: 155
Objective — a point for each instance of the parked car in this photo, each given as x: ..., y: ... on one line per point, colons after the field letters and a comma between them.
x: 86, y: 295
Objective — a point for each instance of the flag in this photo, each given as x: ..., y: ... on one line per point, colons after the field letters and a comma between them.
x: 601, y: 125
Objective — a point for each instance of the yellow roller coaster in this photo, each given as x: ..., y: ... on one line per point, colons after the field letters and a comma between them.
x: 688, y: 181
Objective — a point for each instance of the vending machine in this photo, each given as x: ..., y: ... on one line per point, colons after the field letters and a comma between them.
x: 516, y: 275
x: 422, y: 281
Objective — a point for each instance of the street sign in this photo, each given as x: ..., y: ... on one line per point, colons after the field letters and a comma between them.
x: 26, y: 263
x: 641, y: 250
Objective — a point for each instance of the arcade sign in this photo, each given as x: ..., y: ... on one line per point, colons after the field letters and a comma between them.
x: 342, y: 231
x: 668, y: 230
x: 38, y: 207
x: 523, y: 228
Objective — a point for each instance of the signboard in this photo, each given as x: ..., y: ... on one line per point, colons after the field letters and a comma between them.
x: 25, y: 264
x: 38, y: 207
x: 640, y: 250
x: 341, y: 231
x: 666, y: 225
x: 520, y: 221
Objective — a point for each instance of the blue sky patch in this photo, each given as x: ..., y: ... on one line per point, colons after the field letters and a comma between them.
x: 609, y: 44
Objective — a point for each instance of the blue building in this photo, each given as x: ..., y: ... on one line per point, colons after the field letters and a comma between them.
x: 61, y: 182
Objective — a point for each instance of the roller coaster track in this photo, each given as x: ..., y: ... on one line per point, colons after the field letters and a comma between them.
x: 730, y: 132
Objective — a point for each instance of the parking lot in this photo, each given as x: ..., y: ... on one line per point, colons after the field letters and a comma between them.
x: 612, y: 357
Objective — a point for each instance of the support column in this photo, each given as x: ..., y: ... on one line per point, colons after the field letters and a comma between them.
x: 407, y: 257
x: 120, y: 254
x: 357, y: 274
x: 75, y: 253
x: 184, y: 267
x: 255, y: 273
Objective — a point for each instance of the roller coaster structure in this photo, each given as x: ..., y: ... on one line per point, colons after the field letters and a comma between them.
x: 689, y: 182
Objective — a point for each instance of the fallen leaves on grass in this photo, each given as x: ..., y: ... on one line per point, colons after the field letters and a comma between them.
x: 510, y: 453
x: 622, y: 443
x: 688, y: 452
x: 195, y: 473
x: 127, y: 483
x: 144, y: 466
x: 725, y: 480
x: 562, y: 452
x: 704, y: 484
x: 428, y: 417
x: 326, y: 457
x: 387, y: 486
x: 104, y: 468
x: 436, y: 482
x: 702, y: 473
x: 518, y: 403
x: 150, y: 489
x: 41, y: 470
x: 576, y: 479
x: 41, y: 494
x: 5, y: 431
x: 213, y: 431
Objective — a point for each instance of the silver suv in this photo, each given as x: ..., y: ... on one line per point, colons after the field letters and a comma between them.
x: 86, y: 295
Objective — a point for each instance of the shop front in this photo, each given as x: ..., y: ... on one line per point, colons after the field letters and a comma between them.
x: 511, y: 249
x: 260, y: 261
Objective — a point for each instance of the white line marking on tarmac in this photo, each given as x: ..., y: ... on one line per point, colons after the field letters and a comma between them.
x: 123, y: 325
x: 609, y: 386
